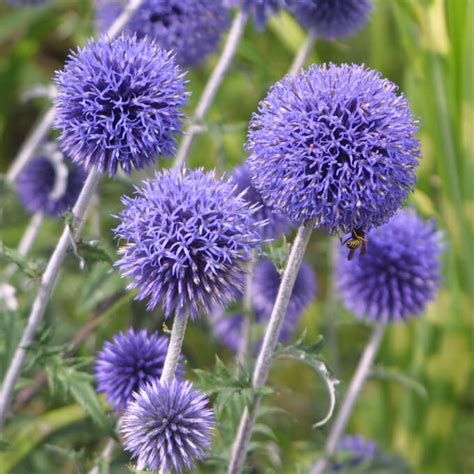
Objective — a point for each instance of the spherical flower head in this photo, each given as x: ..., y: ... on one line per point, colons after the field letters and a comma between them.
x: 398, y: 275
x: 334, y: 143
x: 331, y: 19
x: 260, y: 9
x: 276, y: 224
x: 118, y: 104
x: 356, y: 450
x: 265, y: 286
x: 192, y: 29
x: 168, y: 426
x: 128, y: 362
x: 49, y: 186
x: 187, y: 237
x: 228, y: 330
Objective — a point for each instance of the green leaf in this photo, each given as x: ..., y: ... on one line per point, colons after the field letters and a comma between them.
x: 32, y: 269
x: 4, y: 444
x: 279, y: 254
x: 395, y: 375
x: 93, y: 251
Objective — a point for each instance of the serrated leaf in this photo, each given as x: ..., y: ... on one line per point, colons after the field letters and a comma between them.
x: 278, y: 255
x: 30, y: 268
x: 93, y: 251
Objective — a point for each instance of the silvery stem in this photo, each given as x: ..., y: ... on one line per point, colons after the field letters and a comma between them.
x: 212, y: 86
x: 46, y: 122
x: 303, y: 53
x: 174, y: 348
x: 45, y: 290
x: 272, y: 333
x: 360, y: 376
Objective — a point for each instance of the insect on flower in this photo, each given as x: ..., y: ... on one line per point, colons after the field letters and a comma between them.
x: 355, y: 241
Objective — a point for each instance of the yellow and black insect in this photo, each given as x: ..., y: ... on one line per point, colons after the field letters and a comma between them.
x: 355, y: 241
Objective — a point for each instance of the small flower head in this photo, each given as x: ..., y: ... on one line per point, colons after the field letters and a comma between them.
x: 167, y: 426
x: 187, y: 236
x: 276, y: 224
x: 118, y: 104
x: 192, y: 29
x: 331, y: 19
x: 49, y: 185
x: 260, y: 9
x: 334, y: 143
x: 265, y: 285
x: 398, y: 275
x: 228, y: 330
x: 128, y: 362
x: 356, y: 450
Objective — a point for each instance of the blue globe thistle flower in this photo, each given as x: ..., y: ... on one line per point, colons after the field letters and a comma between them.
x: 334, y: 143
x: 265, y: 285
x: 167, y: 426
x: 398, y: 275
x: 131, y: 360
x: 187, y: 237
x: 49, y: 185
x: 192, y: 29
x: 356, y: 450
x: 228, y: 330
x: 118, y: 104
x: 276, y: 223
x: 260, y: 9
x: 331, y: 19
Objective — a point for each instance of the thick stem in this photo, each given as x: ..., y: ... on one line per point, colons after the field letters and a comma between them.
x: 212, y: 86
x: 360, y: 376
x: 44, y: 293
x: 174, y: 349
x: 42, y: 128
x: 270, y: 340
x: 303, y: 53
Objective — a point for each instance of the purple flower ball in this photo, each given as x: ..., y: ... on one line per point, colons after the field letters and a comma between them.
x: 187, y: 237
x: 398, y: 275
x: 331, y: 19
x: 276, y: 223
x: 131, y: 360
x: 356, y: 451
x: 118, y: 104
x: 227, y: 330
x: 192, y: 29
x: 260, y: 9
x: 334, y: 143
x: 265, y: 285
x: 49, y: 185
x: 167, y: 426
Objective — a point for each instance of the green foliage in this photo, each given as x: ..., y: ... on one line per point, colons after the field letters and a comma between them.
x: 31, y: 268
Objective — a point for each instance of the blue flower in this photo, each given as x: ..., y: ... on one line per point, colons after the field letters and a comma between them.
x: 228, y: 330
x: 192, y: 29
x: 260, y: 9
x: 355, y: 450
x: 334, y: 143
x: 399, y: 274
x: 167, y: 426
x: 187, y: 236
x: 265, y: 286
x: 131, y: 360
x: 276, y: 223
x: 118, y: 104
x: 49, y: 185
x: 331, y: 19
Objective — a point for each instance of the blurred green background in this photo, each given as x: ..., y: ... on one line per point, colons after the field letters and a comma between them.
x: 420, y: 405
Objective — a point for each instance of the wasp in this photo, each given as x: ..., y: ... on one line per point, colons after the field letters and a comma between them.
x: 355, y: 241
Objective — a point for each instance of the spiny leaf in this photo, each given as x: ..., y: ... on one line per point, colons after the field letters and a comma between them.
x: 279, y: 255
x: 90, y: 252
x: 30, y: 268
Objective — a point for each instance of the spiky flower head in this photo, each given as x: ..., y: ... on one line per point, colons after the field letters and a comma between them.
x: 334, y: 143
x: 398, y: 275
x: 265, y: 286
x: 168, y: 426
x: 228, y: 330
x: 187, y: 236
x: 50, y: 185
x: 355, y: 450
x: 260, y: 9
x: 331, y: 19
x: 192, y: 29
x: 276, y: 224
x: 129, y: 361
x: 118, y: 104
